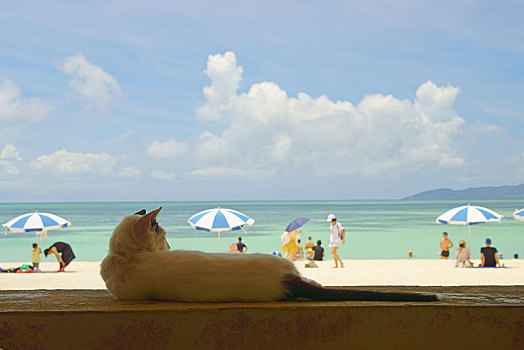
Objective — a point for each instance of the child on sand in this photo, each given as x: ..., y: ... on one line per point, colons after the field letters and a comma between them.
x: 36, y: 257
x: 299, y: 255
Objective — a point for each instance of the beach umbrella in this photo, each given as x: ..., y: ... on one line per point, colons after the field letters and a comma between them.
x: 468, y: 215
x: 36, y: 222
x: 219, y: 220
x: 519, y: 214
x: 293, y: 225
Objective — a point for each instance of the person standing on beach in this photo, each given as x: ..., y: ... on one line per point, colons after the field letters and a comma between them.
x: 337, y: 235
x: 445, y: 245
x: 299, y: 255
x: 64, y: 249
x: 241, y: 246
x: 36, y: 257
x: 309, y: 244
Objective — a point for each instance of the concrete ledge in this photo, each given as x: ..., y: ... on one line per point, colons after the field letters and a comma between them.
x: 470, y: 317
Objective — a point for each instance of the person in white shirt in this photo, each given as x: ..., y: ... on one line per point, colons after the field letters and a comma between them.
x: 337, y: 236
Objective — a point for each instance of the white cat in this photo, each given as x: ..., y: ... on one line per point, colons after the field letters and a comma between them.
x: 140, y: 265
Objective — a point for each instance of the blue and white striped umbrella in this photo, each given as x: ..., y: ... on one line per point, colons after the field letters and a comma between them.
x: 35, y: 222
x: 469, y: 215
x: 519, y: 215
x: 219, y: 220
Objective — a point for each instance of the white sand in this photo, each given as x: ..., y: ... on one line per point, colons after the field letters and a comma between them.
x: 85, y: 275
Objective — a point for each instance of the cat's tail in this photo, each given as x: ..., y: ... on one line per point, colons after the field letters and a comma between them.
x: 297, y: 287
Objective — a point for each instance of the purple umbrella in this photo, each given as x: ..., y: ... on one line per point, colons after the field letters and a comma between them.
x: 293, y: 225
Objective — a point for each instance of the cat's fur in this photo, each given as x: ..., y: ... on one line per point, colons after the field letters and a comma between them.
x: 140, y: 265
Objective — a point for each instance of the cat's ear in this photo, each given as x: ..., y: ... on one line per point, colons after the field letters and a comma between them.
x: 144, y: 223
x: 141, y: 212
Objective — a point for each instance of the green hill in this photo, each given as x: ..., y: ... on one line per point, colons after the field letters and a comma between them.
x: 476, y: 193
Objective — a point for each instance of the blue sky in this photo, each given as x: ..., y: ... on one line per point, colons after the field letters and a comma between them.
x: 156, y: 100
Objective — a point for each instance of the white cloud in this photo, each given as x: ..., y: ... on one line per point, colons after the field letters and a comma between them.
x: 91, y: 82
x: 225, y: 78
x: 63, y: 161
x: 231, y: 172
x: 10, y: 152
x: 267, y: 129
x: 130, y: 172
x: 162, y: 175
x: 9, y: 159
x: 484, y: 128
x: 167, y: 149
x: 17, y: 110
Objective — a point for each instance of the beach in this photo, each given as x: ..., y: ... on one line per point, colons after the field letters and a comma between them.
x: 393, y: 272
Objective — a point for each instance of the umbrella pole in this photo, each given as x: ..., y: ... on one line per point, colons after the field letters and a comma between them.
x: 219, y: 241
x: 469, y: 237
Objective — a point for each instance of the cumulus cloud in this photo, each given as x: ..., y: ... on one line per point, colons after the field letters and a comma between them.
x: 63, y: 161
x: 225, y: 79
x: 130, y: 172
x: 9, y: 159
x: 91, y: 82
x: 17, y: 110
x: 10, y: 152
x: 162, y: 175
x: 267, y: 129
x: 167, y: 149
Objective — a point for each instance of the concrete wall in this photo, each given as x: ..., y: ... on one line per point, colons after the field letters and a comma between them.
x: 91, y: 320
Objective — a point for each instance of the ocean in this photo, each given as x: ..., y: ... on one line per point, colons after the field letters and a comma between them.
x: 374, y: 229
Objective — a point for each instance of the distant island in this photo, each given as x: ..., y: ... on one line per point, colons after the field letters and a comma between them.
x: 476, y: 193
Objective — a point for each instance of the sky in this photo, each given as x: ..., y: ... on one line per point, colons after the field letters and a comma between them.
x: 249, y: 100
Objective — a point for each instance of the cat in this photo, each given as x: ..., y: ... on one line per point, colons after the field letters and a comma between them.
x: 140, y: 265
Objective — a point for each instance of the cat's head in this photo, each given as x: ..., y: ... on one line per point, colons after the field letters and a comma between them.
x: 138, y: 232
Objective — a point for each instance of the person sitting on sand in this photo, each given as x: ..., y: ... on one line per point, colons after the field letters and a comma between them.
x: 36, y: 256
x: 445, y: 245
x: 318, y: 251
x: 310, y: 254
x: 463, y: 255
x: 66, y: 251
x: 233, y: 249
x: 489, y: 256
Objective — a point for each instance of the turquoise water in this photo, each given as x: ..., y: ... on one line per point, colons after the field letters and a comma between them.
x: 375, y: 229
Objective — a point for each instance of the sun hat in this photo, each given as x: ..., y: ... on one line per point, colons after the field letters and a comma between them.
x: 331, y: 217
x: 488, y: 240
x: 462, y: 242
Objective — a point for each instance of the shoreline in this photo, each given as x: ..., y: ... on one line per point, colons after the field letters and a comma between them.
x: 387, y: 272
